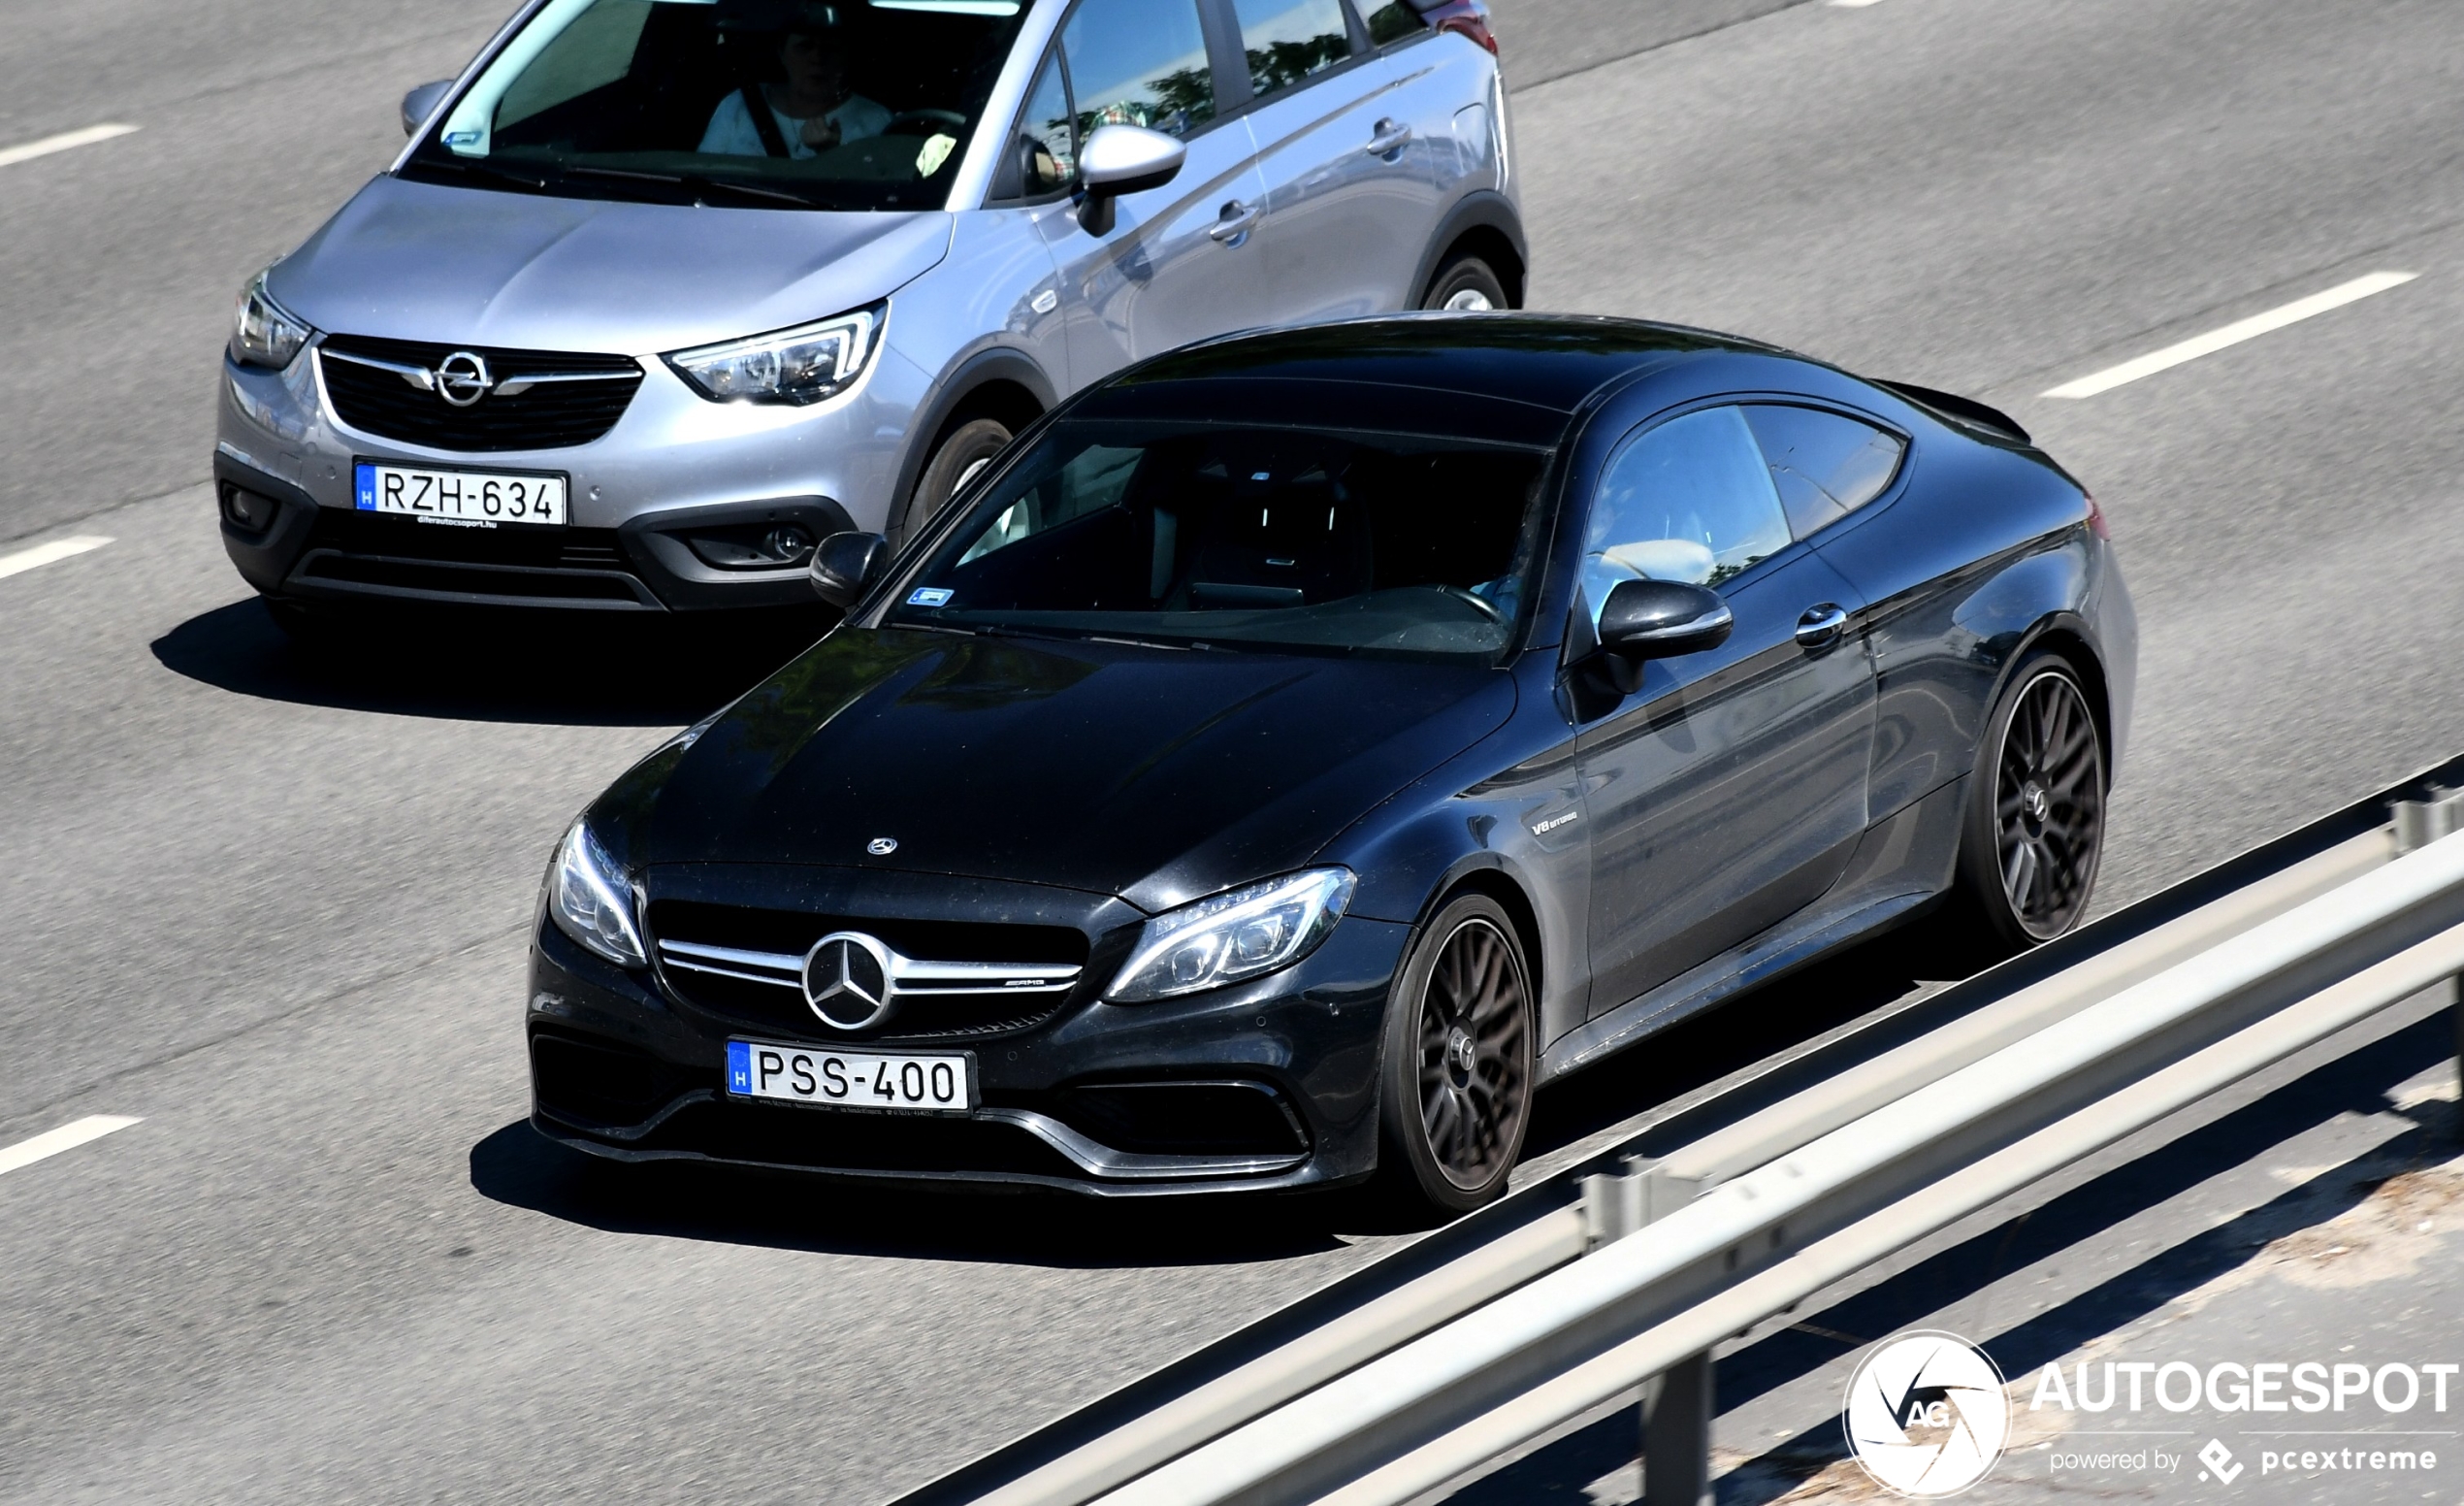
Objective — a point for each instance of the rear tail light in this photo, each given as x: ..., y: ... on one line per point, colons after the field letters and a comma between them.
x: 2096, y: 524
x: 1470, y: 17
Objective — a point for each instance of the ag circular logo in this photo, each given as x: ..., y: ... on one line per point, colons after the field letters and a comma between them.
x: 847, y: 980
x: 1926, y: 1416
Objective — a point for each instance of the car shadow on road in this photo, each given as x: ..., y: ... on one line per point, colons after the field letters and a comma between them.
x: 522, y: 1169
x: 1567, y: 1469
x: 582, y: 670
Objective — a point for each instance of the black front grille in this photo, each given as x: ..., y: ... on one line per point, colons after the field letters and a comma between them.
x: 552, y: 564
x: 552, y: 415
x: 773, y: 1008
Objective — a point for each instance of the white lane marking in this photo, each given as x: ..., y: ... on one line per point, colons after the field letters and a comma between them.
x: 67, y: 1138
x: 43, y: 554
x: 1852, y: 5
x: 27, y: 152
x: 2232, y: 333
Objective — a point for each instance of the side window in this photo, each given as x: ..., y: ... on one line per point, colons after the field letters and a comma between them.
x: 1286, y: 41
x: 1048, y: 138
x: 1826, y: 466
x: 1395, y: 21
x: 1690, y: 500
x: 1139, y: 62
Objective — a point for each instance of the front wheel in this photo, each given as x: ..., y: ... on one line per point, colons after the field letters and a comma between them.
x: 1458, y: 1078
x: 1466, y: 285
x: 962, y: 452
x: 2035, y: 824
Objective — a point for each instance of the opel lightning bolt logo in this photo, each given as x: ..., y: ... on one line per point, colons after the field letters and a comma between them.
x: 1927, y: 1414
x: 462, y: 379
x: 847, y: 980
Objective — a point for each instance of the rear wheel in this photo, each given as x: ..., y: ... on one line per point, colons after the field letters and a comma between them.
x: 1458, y: 1076
x: 1467, y: 284
x: 961, y: 454
x: 2035, y: 824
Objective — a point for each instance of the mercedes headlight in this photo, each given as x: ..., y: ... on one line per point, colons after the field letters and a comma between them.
x: 591, y: 900
x: 801, y: 365
x: 1233, y: 935
x: 264, y: 333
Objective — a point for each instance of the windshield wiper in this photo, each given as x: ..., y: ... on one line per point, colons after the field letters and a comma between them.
x: 479, y: 170
x: 699, y: 183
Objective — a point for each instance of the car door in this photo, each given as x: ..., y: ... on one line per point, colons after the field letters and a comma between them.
x: 1727, y: 791
x: 1180, y: 262
x: 1350, y: 206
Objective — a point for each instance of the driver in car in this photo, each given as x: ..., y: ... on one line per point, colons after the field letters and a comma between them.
x: 809, y: 114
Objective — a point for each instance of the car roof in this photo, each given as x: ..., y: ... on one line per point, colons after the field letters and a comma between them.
x: 1550, y: 362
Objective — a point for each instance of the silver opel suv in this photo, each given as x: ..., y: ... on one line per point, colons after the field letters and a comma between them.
x: 664, y: 292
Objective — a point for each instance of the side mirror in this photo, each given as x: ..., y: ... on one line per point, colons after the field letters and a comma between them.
x: 1123, y: 159
x: 420, y: 103
x: 847, y: 565
x: 1662, y: 619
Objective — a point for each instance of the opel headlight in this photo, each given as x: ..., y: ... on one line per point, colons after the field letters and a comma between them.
x: 264, y: 333
x: 801, y: 365
x: 591, y: 900
x: 1236, y: 935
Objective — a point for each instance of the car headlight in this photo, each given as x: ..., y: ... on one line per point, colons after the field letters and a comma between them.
x: 801, y: 365
x: 264, y: 333
x: 591, y: 900
x: 1232, y: 935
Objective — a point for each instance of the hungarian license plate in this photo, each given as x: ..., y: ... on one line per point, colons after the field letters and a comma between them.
x: 885, y: 1081
x: 473, y: 498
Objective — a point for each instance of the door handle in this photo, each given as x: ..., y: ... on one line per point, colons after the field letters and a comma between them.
x: 1821, y: 625
x: 1233, y: 222
x: 1390, y: 135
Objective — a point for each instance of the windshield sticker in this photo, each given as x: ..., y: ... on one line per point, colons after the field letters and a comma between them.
x: 929, y: 596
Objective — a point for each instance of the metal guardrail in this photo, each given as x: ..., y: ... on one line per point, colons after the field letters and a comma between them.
x: 2001, y: 1082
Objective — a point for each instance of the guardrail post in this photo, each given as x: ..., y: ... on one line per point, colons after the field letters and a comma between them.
x: 1677, y: 1435
x: 1677, y: 1404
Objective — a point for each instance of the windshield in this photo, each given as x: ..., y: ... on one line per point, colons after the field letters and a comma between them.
x: 1232, y: 537
x: 782, y: 103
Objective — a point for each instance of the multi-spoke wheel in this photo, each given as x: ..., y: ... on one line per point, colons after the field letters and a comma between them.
x: 1459, y: 1056
x: 2037, y: 823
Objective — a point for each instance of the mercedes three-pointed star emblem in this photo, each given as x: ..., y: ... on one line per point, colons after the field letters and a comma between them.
x: 847, y: 980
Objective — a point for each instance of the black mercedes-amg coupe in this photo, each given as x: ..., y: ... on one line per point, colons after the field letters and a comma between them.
x: 1295, y: 750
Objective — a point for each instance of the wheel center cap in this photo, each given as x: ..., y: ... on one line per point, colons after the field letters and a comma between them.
x: 2034, y: 800
x: 1458, y: 1050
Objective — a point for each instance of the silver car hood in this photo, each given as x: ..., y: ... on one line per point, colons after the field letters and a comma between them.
x: 424, y: 261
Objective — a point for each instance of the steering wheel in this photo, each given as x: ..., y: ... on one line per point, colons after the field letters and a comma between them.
x: 926, y: 122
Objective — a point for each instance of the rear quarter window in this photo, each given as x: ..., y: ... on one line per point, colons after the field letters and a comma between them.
x: 1825, y: 465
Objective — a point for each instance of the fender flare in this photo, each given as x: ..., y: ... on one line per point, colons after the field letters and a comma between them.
x: 1482, y: 209
x: 999, y: 363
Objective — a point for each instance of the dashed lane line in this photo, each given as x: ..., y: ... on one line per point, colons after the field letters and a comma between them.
x: 2232, y: 333
x: 67, y: 1138
x: 43, y: 554
x: 27, y: 152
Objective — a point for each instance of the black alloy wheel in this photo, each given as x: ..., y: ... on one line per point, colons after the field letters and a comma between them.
x: 2028, y: 860
x: 962, y: 455
x: 1459, y: 1058
x: 1467, y: 284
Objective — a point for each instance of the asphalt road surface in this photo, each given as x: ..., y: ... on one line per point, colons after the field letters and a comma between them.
x: 276, y: 910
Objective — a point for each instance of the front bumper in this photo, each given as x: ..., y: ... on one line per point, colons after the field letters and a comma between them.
x: 653, y: 503
x: 1262, y: 1086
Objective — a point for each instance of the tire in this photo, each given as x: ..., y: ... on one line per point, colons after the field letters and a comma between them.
x: 2033, y: 832
x: 1456, y: 1086
x: 1467, y: 283
x: 961, y: 453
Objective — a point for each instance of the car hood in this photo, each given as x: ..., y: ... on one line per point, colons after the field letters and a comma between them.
x: 429, y: 262
x: 1149, y: 774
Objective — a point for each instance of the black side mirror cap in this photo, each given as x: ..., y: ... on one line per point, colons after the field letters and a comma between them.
x: 1663, y: 620
x: 848, y: 564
